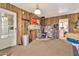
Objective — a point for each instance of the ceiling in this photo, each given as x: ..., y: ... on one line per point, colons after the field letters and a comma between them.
x: 50, y: 9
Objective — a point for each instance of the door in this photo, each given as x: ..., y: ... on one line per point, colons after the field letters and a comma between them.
x: 8, y: 26
x: 63, y: 27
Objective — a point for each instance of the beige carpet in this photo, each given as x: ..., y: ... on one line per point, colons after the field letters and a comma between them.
x: 44, y: 48
x: 5, y: 51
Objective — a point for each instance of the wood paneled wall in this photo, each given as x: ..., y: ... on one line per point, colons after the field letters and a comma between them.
x: 51, y: 20
x: 21, y: 14
x: 72, y: 20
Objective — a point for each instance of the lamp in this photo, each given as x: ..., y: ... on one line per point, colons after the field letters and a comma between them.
x: 37, y: 11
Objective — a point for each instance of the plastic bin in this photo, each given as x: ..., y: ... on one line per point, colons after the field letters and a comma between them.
x: 25, y: 40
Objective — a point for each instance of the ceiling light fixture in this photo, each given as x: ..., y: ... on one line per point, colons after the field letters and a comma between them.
x: 37, y: 10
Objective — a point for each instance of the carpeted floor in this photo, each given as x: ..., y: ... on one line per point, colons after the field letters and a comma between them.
x: 6, y: 51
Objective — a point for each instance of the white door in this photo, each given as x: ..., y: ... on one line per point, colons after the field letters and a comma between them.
x: 63, y: 27
x: 8, y: 26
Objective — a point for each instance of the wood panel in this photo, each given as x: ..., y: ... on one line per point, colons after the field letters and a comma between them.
x: 52, y: 20
x: 72, y: 20
x: 20, y: 16
x: 33, y: 34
